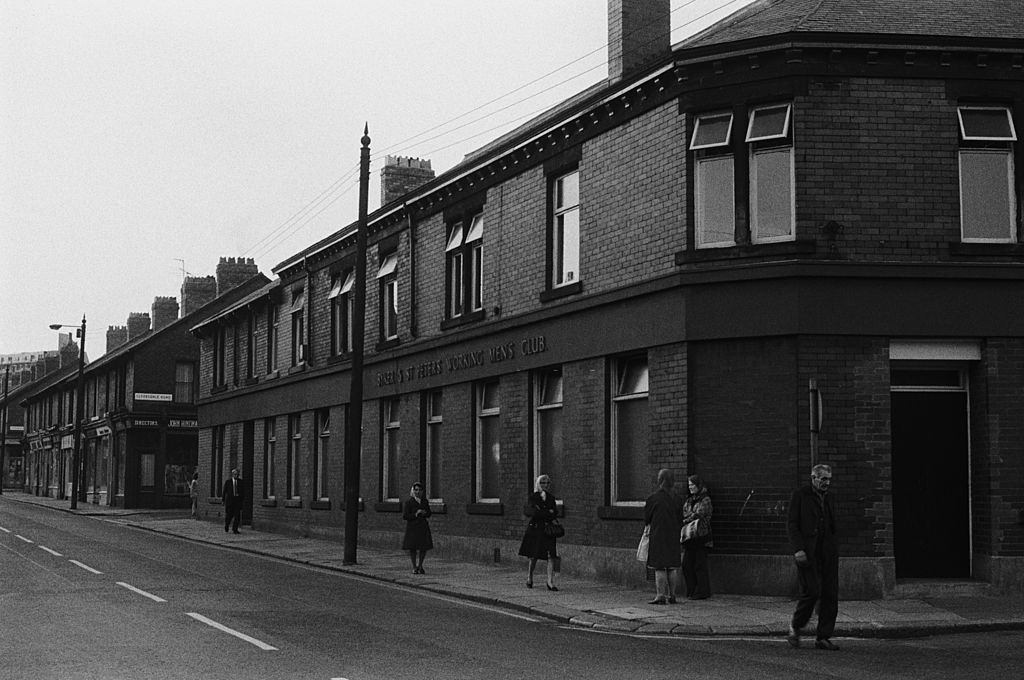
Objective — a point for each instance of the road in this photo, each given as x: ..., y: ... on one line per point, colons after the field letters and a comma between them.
x: 83, y: 597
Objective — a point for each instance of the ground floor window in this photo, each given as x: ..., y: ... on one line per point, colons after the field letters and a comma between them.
x: 630, y: 482
x: 488, y: 442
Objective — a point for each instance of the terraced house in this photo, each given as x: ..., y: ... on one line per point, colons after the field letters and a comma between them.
x: 793, y: 238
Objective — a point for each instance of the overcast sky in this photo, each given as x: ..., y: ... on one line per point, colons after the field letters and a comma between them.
x: 143, y: 139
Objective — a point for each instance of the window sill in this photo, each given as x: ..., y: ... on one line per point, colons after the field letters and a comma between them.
x: 268, y: 503
x: 273, y: 374
x: 387, y: 344
x: 798, y: 247
x: 297, y: 368
x: 960, y: 249
x: 320, y: 505
x: 217, y: 389
x: 293, y: 502
x: 339, y: 358
x: 468, y: 318
x: 438, y: 508
x: 213, y: 501
x: 630, y: 512
x: 251, y: 381
x: 485, y: 509
x: 388, y: 506
x: 561, y: 292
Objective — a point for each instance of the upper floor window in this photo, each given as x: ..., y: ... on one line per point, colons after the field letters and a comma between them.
x: 388, y: 277
x: 273, y: 335
x: 184, y: 382
x: 250, y: 346
x: 464, y: 264
x: 565, y: 230
x: 298, y: 313
x: 220, y: 351
x: 341, y: 313
x: 630, y: 479
x: 988, y: 205
x: 763, y: 180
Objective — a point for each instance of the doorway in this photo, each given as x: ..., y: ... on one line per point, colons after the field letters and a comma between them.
x: 930, y: 477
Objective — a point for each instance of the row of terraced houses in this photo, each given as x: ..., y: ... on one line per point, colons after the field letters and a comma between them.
x: 792, y: 238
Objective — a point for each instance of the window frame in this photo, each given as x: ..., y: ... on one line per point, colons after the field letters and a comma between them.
x: 391, y: 449
x: 273, y: 336
x: 297, y: 312
x: 269, y: 452
x: 294, y: 488
x: 999, y: 148
x: 481, y: 412
x: 464, y: 267
x: 558, y: 233
x: 189, y: 385
x: 341, y: 313
x: 542, y: 405
x: 220, y: 351
x: 616, y: 397
x: 433, y: 440
x: 322, y: 429
x: 387, y: 275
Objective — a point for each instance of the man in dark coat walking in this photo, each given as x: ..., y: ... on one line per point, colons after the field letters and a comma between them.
x: 812, y: 531
x: 232, y: 497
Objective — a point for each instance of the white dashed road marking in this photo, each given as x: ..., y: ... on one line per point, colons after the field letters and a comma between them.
x: 241, y: 636
x: 141, y: 592
x: 27, y: 540
x: 85, y: 566
x: 52, y: 552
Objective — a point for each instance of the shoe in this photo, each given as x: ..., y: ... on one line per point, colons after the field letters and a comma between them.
x: 529, y: 584
x: 793, y: 637
x: 671, y: 600
x: 658, y: 600
x: 827, y: 645
x: 419, y: 570
x: 551, y: 587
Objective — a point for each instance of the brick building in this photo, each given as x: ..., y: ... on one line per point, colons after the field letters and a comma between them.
x: 792, y: 238
x: 140, y: 427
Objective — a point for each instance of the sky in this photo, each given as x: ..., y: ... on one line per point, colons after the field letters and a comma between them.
x: 143, y: 140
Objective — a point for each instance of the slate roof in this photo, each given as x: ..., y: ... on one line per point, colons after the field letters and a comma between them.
x: 990, y: 19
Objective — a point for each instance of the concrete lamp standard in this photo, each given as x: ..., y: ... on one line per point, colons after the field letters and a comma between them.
x: 76, y: 458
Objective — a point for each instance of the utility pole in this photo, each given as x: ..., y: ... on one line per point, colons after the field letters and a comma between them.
x: 3, y: 430
x: 76, y: 454
x: 354, y: 427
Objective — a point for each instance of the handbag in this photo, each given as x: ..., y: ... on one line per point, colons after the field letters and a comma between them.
x: 696, y: 528
x: 554, y: 529
x: 643, y: 548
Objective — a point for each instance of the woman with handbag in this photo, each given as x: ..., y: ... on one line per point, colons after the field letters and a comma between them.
x: 663, y: 513
x: 417, y: 539
x: 540, y: 539
x: 696, y: 535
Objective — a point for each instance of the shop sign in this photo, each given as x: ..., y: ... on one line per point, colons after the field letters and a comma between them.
x: 67, y: 441
x: 152, y: 396
x: 145, y: 422
x: 187, y: 423
x: 453, y: 363
x: 101, y: 431
x: 16, y: 428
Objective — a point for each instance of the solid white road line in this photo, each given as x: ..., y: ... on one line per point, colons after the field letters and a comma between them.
x: 141, y: 592
x: 241, y: 636
x: 52, y: 552
x: 85, y: 566
x: 6, y: 531
x: 27, y: 540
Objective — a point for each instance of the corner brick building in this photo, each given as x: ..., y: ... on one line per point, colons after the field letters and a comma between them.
x: 793, y: 238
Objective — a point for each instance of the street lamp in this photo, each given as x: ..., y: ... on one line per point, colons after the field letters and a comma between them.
x: 76, y: 457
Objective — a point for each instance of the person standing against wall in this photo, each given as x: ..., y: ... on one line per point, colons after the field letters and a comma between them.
x: 232, y: 497
x: 663, y: 513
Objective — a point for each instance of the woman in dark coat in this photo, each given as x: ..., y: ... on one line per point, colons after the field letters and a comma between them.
x: 695, y: 550
x: 417, y: 538
x: 664, y: 513
x: 537, y: 545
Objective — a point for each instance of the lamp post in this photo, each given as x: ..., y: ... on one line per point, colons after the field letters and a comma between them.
x: 76, y: 458
x: 3, y: 430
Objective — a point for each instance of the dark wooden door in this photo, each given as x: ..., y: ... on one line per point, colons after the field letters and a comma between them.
x: 931, y: 485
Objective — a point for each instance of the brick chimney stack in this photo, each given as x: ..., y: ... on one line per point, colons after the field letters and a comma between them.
x: 165, y: 311
x: 639, y: 33
x: 116, y: 336
x: 197, y: 291
x: 138, y: 324
x: 232, y: 272
x: 402, y: 174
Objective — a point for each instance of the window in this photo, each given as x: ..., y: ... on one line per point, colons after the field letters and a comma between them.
x: 269, y: 444
x: 772, y: 200
x: 988, y: 206
x: 464, y: 262
x: 547, y: 425
x: 250, y: 346
x: 219, y: 356
x: 763, y: 178
x: 392, y: 444
x: 629, y: 436
x: 298, y: 312
x: 184, y: 382
x: 565, y: 230
x: 323, y: 430
x: 273, y: 324
x: 435, y: 446
x: 388, y: 278
x: 341, y: 313
x: 217, y: 461
x: 488, y: 443
x: 294, y: 452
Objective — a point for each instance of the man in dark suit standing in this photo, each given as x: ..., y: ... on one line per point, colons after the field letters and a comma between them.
x: 232, y: 497
x: 812, y: 535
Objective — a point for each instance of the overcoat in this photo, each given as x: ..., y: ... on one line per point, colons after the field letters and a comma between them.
x: 664, y: 512
x: 417, y: 529
x: 536, y: 544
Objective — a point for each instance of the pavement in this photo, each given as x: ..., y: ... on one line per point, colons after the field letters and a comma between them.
x: 580, y: 602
